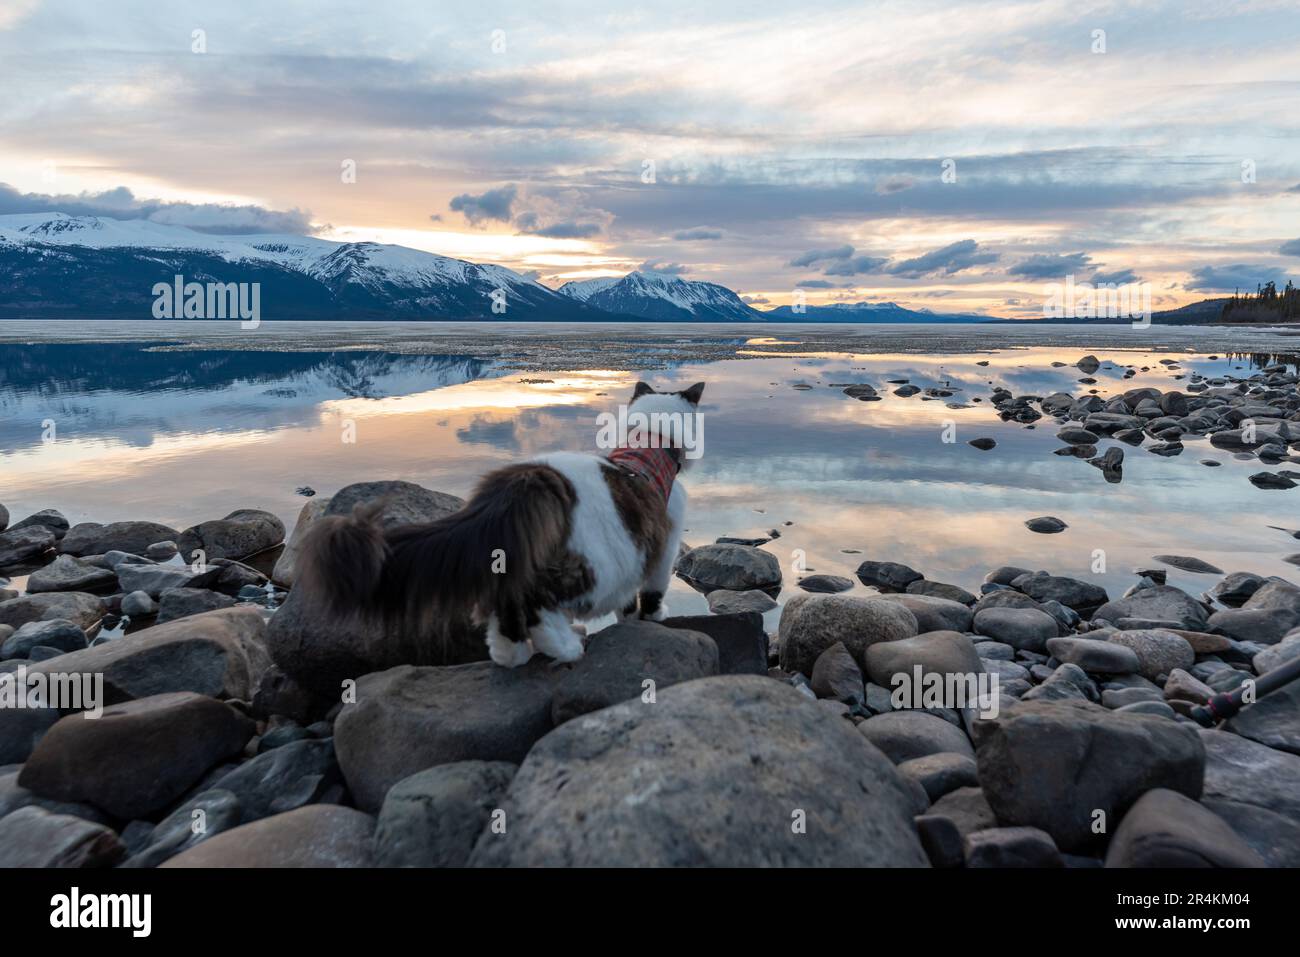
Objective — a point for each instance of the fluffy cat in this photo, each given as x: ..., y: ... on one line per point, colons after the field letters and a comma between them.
x: 540, y: 544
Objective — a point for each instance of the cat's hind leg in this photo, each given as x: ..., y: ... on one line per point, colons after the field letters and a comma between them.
x: 660, y: 574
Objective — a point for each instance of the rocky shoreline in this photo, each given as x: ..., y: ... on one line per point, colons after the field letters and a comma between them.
x: 240, y: 727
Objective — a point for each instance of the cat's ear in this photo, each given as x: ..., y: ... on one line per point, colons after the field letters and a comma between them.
x: 640, y: 390
x: 692, y: 395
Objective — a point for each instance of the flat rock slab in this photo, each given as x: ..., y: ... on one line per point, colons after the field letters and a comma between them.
x: 740, y: 637
x: 410, y: 718
x: 1241, y: 770
x: 1052, y: 764
x: 621, y: 659
x: 322, y: 835
x: 67, y: 573
x: 35, y: 837
x: 137, y: 757
x: 1167, y: 829
x: 90, y: 538
x: 722, y: 601
x: 644, y: 787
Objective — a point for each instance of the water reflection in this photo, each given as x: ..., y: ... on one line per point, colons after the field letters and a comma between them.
x: 181, y: 436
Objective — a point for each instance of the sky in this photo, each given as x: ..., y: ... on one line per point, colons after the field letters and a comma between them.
x: 955, y: 156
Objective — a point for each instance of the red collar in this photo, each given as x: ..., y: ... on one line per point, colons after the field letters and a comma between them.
x: 656, y: 465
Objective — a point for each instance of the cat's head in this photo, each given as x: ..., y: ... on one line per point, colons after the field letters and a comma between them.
x: 673, y: 417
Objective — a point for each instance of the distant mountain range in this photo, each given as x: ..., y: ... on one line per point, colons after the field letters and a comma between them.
x: 56, y: 266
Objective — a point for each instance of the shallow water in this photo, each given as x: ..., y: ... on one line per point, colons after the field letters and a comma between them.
x: 115, y: 425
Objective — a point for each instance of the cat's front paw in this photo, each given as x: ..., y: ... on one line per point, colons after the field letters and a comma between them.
x: 659, y: 614
x: 507, y: 653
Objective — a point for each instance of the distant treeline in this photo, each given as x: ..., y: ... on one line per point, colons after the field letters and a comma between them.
x: 1266, y: 305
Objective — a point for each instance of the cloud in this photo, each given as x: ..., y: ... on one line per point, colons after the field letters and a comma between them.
x: 1050, y: 266
x: 495, y: 204
x: 1290, y: 248
x: 697, y: 233
x: 1245, y: 276
x: 815, y: 284
x: 1120, y: 277
x: 755, y: 300
x: 530, y: 223
x: 121, y: 203
x: 561, y: 214
x: 894, y: 184
x: 662, y: 268
x: 821, y: 255
x: 855, y: 266
x: 947, y: 260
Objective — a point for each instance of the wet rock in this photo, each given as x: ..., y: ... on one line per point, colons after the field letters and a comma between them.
x: 138, y: 604
x: 24, y: 544
x: 1073, y: 593
x: 1021, y: 628
x: 983, y: 443
x: 51, y: 633
x: 77, y: 607
x: 1271, y: 480
x: 1167, y: 829
x: 887, y: 576
x: 1006, y: 574
x: 161, y: 551
x: 1239, y: 769
x: 640, y: 785
x: 1272, y: 836
x: 825, y: 584
x: 1052, y: 764
x: 217, y: 811
x: 35, y: 837
x: 940, y: 590
x: 1162, y: 602
x: 733, y: 567
x: 321, y: 835
x: 90, y: 538
x: 410, y: 718
x: 434, y: 817
x: 1011, y: 847
x: 139, y: 756
x: 904, y: 735
x: 1273, y: 720
x: 812, y: 623
x: 1191, y: 564
x: 175, y: 603
x: 724, y: 602
x: 284, y: 778
x: 1098, y: 657
x: 243, y: 532
x: 66, y: 573
x: 1046, y: 524
x: 620, y: 659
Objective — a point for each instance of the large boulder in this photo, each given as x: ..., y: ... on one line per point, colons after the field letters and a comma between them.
x: 434, y: 817
x: 934, y: 614
x: 137, y: 757
x: 1238, y: 769
x: 887, y: 576
x: 35, y: 837
x: 1054, y: 764
x: 1167, y: 829
x: 410, y: 718
x: 285, y: 572
x: 322, y: 835
x: 1157, y: 603
x: 244, y: 532
x: 812, y: 623
x: 321, y: 650
x: 1073, y: 593
x: 733, y: 567
x: 621, y: 659
x: 1273, y: 720
x: 219, y: 654
x: 632, y: 786
x: 1273, y: 836
x: 90, y: 538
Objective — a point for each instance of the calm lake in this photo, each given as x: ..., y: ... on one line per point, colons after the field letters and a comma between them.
x: 112, y: 421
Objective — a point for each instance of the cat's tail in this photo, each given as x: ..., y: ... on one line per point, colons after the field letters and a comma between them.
x: 487, y: 557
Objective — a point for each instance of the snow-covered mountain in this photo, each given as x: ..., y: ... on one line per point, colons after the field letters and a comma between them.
x: 663, y: 298
x: 868, y: 312
x: 55, y: 265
